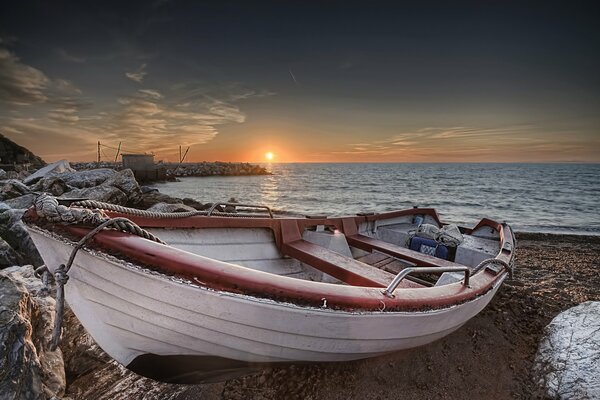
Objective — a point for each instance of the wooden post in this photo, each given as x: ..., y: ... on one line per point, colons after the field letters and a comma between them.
x: 118, y: 151
x: 179, y: 153
x: 98, y: 152
x: 184, y: 154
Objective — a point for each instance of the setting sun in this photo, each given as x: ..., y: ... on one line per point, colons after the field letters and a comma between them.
x: 269, y: 156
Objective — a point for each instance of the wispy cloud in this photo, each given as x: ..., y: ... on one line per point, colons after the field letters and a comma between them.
x: 155, y: 121
x: 470, y: 132
x: 70, y: 57
x: 20, y: 84
x: 153, y: 94
x: 459, y: 143
x: 138, y: 75
x: 54, y: 118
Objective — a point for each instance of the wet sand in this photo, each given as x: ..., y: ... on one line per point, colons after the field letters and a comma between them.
x: 490, y: 357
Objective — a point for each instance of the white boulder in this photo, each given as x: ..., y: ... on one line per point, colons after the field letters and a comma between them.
x: 50, y: 169
x: 567, y: 363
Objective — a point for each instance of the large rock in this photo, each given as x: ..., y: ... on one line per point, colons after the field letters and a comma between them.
x: 149, y: 199
x: 107, y: 194
x: 8, y: 256
x: 13, y: 231
x: 170, y: 208
x: 53, y: 185
x: 125, y: 181
x: 196, y: 204
x: 29, y: 369
x: 567, y: 363
x: 21, y: 202
x: 118, y: 188
x: 50, y: 169
x: 88, y: 178
x: 12, y: 188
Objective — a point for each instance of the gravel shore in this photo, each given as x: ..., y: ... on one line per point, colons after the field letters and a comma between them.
x: 490, y: 357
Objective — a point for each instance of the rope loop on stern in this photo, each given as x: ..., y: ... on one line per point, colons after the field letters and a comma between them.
x: 48, y: 208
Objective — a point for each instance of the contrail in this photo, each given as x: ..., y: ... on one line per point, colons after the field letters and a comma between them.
x: 293, y: 77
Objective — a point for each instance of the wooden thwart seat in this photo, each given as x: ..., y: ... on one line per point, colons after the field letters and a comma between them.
x: 422, y: 260
x: 344, y: 268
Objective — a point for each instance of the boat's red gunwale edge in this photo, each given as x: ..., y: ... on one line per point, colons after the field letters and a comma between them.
x: 229, y: 277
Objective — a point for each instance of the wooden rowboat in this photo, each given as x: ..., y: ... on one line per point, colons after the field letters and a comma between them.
x: 229, y: 295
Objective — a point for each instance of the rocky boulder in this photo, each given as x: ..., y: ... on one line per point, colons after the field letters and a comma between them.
x: 52, y: 184
x: 170, y: 208
x: 88, y: 178
x: 107, y: 194
x: 14, y: 233
x: 8, y: 256
x: 29, y: 369
x: 125, y: 181
x: 49, y: 170
x: 21, y: 202
x: 196, y: 204
x: 12, y: 188
x: 149, y: 199
x: 119, y: 188
x: 567, y: 363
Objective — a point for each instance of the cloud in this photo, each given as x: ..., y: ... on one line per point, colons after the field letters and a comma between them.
x: 7, y: 40
x: 63, y: 115
x: 59, y: 121
x: 46, y: 137
x: 65, y: 86
x: 20, y: 84
x: 447, y: 142
x: 23, y: 85
x: 149, y: 120
x: 138, y: 75
x: 70, y: 57
x: 153, y: 94
x: 470, y: 132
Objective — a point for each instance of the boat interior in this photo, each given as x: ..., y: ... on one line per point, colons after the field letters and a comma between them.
x: 359, y: 251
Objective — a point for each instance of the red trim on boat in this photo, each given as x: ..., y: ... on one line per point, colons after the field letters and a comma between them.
x: 224, y: 276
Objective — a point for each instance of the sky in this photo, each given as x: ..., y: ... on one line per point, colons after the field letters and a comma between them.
x: 308, y: 81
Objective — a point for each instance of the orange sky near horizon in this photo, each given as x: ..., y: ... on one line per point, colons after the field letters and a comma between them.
x: 491, y: 83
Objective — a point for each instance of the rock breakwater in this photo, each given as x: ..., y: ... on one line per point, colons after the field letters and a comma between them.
x: 175, y: 170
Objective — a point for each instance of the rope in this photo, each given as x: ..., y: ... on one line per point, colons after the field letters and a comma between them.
x: 490, y: 261
x: 61, y: 276
x: 153, y: 214
x: 47, y: 208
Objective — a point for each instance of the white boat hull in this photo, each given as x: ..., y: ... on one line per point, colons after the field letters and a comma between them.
x: 189, y: 333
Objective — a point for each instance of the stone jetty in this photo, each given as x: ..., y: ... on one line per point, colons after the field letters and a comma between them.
x: 175, y: 170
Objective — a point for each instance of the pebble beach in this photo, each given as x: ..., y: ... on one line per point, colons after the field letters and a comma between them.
x: 491, y: 357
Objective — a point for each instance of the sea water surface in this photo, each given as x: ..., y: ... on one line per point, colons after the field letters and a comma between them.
x: 555, y: 198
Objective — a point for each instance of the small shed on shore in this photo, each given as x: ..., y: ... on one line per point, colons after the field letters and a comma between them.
x: 143, y: 167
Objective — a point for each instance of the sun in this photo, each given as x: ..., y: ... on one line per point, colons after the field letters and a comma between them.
x: 269, y: 156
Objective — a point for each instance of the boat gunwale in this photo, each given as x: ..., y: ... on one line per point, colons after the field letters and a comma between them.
x: 223, y: 276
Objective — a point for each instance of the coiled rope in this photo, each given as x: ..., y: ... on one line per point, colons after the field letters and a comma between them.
x: 93, y: 204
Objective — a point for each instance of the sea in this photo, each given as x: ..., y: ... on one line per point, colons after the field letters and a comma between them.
x: 548, y: 198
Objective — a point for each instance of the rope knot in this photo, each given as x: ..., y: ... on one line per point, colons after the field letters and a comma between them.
x: 60, y: 276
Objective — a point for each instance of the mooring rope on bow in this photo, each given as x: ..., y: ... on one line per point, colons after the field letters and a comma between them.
x: 47, y: 208
x: 94, y: 204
